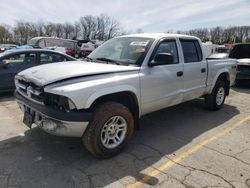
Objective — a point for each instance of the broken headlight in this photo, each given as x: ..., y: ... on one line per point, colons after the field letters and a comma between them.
x: 59, y: 102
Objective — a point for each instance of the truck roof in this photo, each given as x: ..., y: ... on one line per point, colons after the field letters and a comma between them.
x: 160, y: 35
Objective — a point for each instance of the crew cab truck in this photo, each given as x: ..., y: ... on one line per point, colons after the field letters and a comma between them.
x: 102, y: 99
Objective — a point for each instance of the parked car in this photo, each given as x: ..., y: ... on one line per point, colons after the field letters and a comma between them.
x: 14, y: 61
x: 209, y: 48
x: 218, y: 56
x: 4, y: 47
x: 44, y: 42
x: 224, y: 48
x: 241, y: 52
x: 64, y: 50
x: 102, y: 99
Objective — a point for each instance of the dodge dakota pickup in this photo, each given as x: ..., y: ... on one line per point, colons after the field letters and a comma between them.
x: 102, y: 98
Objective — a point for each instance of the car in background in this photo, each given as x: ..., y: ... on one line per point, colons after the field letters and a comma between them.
x: 218, y: 56
x: 65, y: 50
x: 4, y: 47
x: 14, y: 61
x: 224, y: 48
x: 241, y: 52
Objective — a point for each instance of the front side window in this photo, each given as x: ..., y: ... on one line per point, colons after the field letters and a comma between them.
x: 191, y: 51
x: 168, y: 47
x: 124, y: 50
x: 21, y: 58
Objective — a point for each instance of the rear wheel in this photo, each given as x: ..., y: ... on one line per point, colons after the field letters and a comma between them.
x: 216, y: 99
x: 109, y: 131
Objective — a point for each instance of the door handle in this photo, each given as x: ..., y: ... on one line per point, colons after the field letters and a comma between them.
x: 180, y: 73
x: 203, y: 70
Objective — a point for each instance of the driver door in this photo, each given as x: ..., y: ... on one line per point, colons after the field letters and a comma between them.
x: 162, y: 85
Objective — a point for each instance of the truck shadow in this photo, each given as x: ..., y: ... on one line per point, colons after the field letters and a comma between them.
x: 37, y: 159
x: 6, y: 97
x: 243, y: 88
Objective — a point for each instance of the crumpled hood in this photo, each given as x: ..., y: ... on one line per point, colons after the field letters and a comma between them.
x: 50, y: 73
x: 245, y: 61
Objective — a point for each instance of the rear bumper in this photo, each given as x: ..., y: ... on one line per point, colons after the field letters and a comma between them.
x: 72, y: 124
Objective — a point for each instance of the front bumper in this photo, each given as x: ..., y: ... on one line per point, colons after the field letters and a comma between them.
x: 72, y: 124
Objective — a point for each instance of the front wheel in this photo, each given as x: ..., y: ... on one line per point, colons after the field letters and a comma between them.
x: 109, y: 131
x: 216, y: 99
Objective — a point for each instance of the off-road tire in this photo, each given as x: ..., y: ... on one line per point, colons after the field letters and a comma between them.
x: 210, y: 99
x: 92, y: 136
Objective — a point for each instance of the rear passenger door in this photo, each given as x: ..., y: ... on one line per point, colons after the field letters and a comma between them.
x: 195, y: 69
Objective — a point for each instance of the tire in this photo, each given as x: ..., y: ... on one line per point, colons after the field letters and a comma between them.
x: 105, y: 116
x: 211, y: 100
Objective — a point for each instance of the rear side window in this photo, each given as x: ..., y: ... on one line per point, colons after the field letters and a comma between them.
x: 51, y: 58
x: 29, y: 58
x: 191, y: 51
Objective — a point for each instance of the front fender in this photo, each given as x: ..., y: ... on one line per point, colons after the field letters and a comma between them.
x: 110, y: 90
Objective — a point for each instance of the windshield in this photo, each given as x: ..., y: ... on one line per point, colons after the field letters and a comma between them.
x: 240, y: 51
x: 123, y: 50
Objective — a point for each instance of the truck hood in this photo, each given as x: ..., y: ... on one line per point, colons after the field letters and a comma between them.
x: 50, y: 73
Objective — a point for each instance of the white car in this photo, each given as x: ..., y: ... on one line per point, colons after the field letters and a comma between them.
x: 101, y: 100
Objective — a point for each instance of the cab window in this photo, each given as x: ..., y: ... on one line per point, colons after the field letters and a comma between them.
x: 168, y: 47
x: 191, y: 51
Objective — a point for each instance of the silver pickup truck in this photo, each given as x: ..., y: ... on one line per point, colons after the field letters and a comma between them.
x: 102, y: 98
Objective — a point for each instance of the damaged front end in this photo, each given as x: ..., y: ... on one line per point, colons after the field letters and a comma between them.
x: 54, y: 114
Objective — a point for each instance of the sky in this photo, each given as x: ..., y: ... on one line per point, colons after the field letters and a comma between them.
x: 148, y: 15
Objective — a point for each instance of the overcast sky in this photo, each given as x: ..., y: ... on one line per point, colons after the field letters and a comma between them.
x: 149, y: 15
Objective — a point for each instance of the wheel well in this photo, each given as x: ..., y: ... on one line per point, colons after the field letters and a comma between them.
x: 225, y: 78
x: 126, y: 98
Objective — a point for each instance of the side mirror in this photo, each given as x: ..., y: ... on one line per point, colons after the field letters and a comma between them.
x: 4, y: 64
x: 162, y: 59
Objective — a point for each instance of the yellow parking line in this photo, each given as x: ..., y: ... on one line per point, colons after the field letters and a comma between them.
x: 186, y: 153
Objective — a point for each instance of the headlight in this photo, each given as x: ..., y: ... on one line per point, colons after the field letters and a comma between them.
x: 59, y: 102
x: 71, y: 104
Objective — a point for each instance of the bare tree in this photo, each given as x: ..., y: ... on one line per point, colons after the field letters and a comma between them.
x: 103, y: 27
x: 77, y: 29
x: 203, y: 34
x: 113, y: 29
x: 88, y: 24
x: 5, y: 34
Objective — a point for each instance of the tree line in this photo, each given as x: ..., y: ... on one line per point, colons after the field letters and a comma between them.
x: 100, y: 27
x: 103, y: 27
x: 221, y: 35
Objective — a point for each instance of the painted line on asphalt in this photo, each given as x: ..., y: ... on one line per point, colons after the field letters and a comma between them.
x: 187, y: 153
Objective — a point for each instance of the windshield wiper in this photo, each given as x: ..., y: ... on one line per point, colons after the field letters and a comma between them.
x: 108, y: 60
x: 88, y: 59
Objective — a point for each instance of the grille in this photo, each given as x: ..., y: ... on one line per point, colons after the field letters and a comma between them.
x: 30, y: 90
